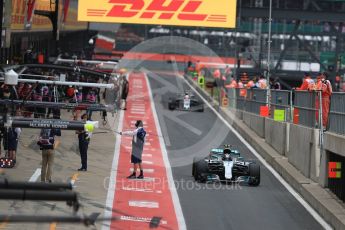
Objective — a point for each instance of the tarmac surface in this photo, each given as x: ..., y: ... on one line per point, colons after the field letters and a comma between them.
x: 90, y: 185
x: 219, y: 206
x: 186, y: 135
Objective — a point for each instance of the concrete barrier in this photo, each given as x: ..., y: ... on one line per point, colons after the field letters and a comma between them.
x: 299, y: 153
x: 334, y: 143
x: 275, y: 135
x: 304, y: 138
x: 237, y: 113
x: 246, y: 118
x: 315, y: 156
x: 255, y: 122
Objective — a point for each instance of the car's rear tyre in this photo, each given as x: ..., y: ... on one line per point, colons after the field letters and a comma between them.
x: 201, y: 171
x: 254, y: 174
x: 172, y: 104
x: 201, y: 109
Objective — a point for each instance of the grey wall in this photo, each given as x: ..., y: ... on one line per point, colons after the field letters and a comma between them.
x: 334, y: 143
x: 275, y: 135
x: 315, y: 156
x: 300, y: 151
x: 255, y: 122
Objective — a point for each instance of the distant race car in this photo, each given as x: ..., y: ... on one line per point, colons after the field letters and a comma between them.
x: 187, y: 101
x: 226, y: 165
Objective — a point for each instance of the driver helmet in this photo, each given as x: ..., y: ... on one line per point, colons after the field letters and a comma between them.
x: 227, y: 153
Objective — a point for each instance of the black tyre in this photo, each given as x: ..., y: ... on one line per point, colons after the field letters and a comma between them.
x: 195, y: 161
x: 201, y: 108
x: 201, y: 171
x: 172, y: 104
x: 254, y: 174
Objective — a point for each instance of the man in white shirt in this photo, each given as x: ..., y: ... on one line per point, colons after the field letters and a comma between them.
x: 138, y: 142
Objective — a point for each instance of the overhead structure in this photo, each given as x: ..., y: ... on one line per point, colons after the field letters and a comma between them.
x: 66, y: 83
x: 57, y: 105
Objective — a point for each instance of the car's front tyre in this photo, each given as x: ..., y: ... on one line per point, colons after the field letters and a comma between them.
x: 254, y: 174
x: 201, y: 171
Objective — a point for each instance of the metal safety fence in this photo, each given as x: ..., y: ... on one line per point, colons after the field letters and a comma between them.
x: 249, y: 100
x: 299, y: 107
x: 295, y: 106
x: 306, y: 108
x: 336, y: 121
x: 255, y: 99
x: 281, y: 100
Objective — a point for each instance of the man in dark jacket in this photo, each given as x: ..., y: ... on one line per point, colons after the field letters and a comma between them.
x: 84, y: 140
x: 125, y: 91
x: 47, y: 144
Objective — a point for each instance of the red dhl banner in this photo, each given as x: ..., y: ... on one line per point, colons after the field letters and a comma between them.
x: 206, y: 13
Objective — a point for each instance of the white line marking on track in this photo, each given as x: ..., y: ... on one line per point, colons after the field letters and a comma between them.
x: 150, y: 149
x: 312, y: 212
x: 145, y: 170
x: 146, y: 179
x: 35, y: 176
x: 140, y: 190
x: 140, y: 219
x: 148, y: 162
x: 147, y: 155
x: 136, y: 117
x: 176, y: 201
x: 143, y: 204
x: 138, y: 109
x: 112, y: 186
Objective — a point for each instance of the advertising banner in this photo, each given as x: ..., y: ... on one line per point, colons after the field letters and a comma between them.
x: 205, y: 13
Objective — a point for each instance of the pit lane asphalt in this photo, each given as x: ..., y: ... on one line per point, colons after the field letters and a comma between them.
x: 219, y: 206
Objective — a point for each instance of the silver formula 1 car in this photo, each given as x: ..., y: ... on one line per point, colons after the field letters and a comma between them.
x: 225, y: 165
x: 187, y: 101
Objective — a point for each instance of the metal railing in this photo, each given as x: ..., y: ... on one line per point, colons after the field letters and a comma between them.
x: 306, y: 108
x: 300, y: 107
x: 336, y: 119
x: 255, y: 99
x: 281, y: 99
